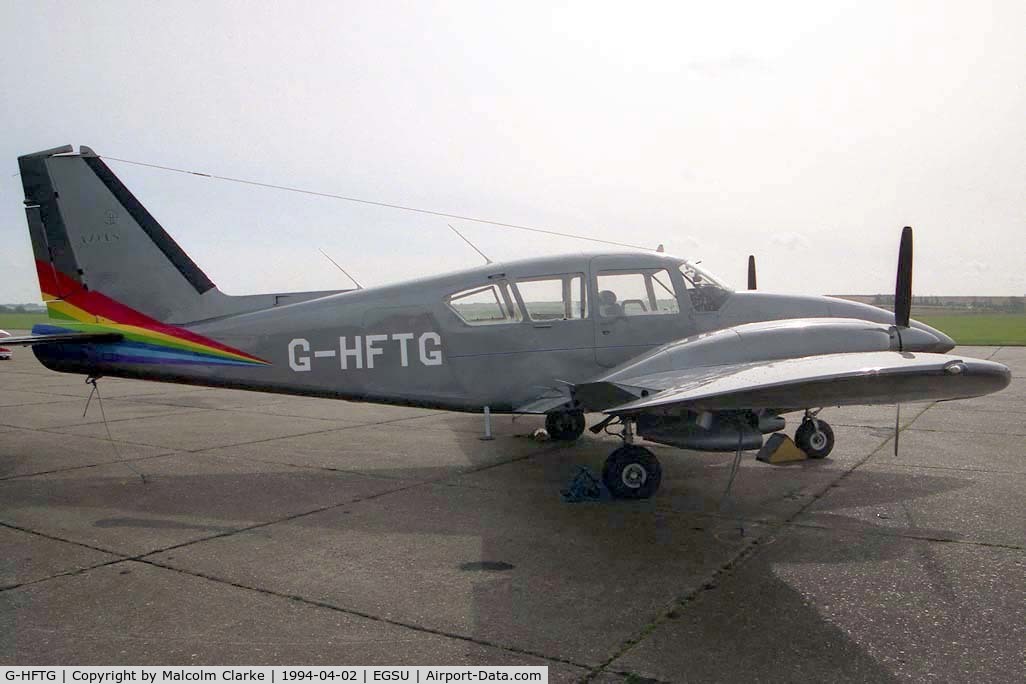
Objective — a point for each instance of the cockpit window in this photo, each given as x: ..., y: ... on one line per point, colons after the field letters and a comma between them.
x: 705, y: 291
x: 554, y: 298
x: 486, y: 305
x: 636, y: 293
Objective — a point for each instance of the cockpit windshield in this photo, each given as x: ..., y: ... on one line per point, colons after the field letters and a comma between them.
x: 706, y: 291
x: 696, y: 275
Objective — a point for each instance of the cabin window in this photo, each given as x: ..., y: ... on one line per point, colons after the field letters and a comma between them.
x: 636, y: 293
x: 705, y: 292
x: 486, y: 305
x: 554, y: 298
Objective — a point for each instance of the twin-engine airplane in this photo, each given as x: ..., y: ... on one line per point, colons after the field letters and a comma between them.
x: 660, y: 345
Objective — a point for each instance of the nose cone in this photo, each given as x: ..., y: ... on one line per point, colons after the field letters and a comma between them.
x: 939, y: 344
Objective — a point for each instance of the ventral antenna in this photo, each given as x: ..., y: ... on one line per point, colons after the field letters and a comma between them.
x: 358, y: 285
x: 483, y: 255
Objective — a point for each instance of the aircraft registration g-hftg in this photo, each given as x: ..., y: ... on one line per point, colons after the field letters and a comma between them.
x: 658, y: 344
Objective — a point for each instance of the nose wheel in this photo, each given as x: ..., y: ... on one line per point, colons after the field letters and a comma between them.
x: 815, y: 437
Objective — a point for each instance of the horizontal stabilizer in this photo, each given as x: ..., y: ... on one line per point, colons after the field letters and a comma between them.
x: 66, y: 338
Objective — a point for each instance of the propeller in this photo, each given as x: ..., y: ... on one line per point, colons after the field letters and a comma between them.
x: 903, y: 284
x: 902, y: 306
x: 751, y: 271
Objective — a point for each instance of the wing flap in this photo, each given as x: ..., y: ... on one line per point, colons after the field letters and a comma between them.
x: 550, y: 398
x: 823, y: 380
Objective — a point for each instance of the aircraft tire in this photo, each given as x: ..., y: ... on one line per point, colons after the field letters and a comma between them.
x: 632, y: 472
x: 565, y: 426
x: 815, y: 445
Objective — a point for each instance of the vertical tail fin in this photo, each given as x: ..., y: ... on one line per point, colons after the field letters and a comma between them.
x: 93, y: 241
x: 89, y: 233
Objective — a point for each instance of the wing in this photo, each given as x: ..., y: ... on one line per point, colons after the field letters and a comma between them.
x: 805, y: 382
x: 74, y: 337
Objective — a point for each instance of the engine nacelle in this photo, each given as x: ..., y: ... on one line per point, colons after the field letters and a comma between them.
x: 709, y: 431
x: 760, y: 342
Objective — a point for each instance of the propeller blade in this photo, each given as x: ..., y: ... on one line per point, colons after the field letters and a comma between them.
x: 903, y: 284
x: 751, y: 271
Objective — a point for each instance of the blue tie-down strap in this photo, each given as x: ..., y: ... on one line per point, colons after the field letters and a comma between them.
x: 585, y: 486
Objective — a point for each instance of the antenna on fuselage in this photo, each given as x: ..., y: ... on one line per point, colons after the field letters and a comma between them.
x: 358, y: 285
x: 485, y: 256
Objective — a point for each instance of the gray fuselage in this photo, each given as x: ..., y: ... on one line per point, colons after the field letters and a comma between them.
x: 408, y: 343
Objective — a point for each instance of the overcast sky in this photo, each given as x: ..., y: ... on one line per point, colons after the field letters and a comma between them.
x: 806, y: 133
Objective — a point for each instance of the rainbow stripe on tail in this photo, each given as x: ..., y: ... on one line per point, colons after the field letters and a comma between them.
x: 146, y: 340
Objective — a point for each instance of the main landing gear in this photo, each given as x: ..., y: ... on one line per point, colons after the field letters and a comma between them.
x: 814, y: 436
x: 565, y: 426
x: 632, y: 471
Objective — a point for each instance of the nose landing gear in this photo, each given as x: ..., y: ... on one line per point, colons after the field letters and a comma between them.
x: 632, y: 471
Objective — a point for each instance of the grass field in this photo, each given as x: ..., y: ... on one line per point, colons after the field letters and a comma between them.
x: 20, y: 321
x: 983, y: 329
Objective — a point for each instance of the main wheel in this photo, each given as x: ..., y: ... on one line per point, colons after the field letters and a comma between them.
x: 815, y: 438
x: 565, y: 425
x: 632, y: 472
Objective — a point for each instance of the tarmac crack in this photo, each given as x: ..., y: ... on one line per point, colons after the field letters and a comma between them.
x: 330, y: 469
x: 66, y: 573
x: 749, y: 549
x: 206, y: 448
x: 51, y: 537
x: 335, y: 428
x: 120, y: 557
x: 876, y: 531
x: 98, y: 421
x: 955, y: 469
x: 368, y: 616
x: 321, y: 509
x: 268, y: 523
x: 141, y: 557
x: 124, y: 397
x: 89, y: 465
x: 49, y: 400
x: 968, y: 432
x: 777, y: 525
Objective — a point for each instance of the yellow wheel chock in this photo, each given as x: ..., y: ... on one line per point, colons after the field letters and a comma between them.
x: 780, y: 448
